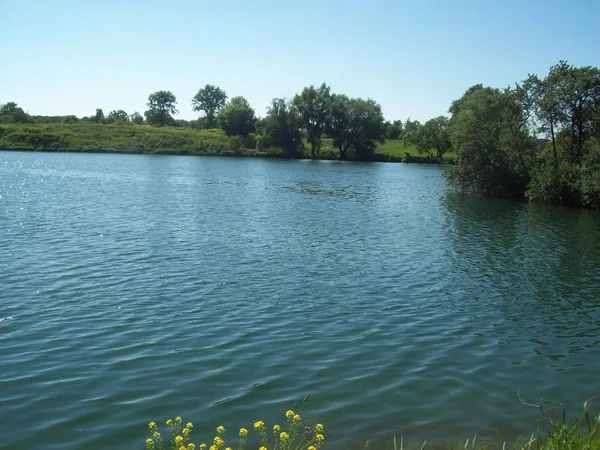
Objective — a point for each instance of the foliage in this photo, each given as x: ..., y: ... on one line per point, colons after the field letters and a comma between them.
x: 118, y: 138
x: 99, y: 116
x: 237, y: 117
x: 71, y: 119
x: 355, y: 124
x: 280, y: 128
x: 117, y: 116
x: 485, y: 125
x: 432, y: 138
x: 209, y: 99
x: 137, y: 118
x: 394, y: 130
x: 296, y: 434
x: 161, y: 106
x: 411, y: 125
x: 11, y: 113
x: 313, y: 105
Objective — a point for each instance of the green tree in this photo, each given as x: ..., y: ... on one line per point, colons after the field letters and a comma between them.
x: 355, y: 124
x: 118, y: 116
x: 394, y: 130
x: 490, y: 140
x: 209, y: 99
x: 431, y: 138
x: 411, y: 125
x: 281, y: 128
x: 161, y: 106
x: 11, y: 113
x: 237, y: 117
x: 70, y: 119
x: 8, y: 108
x: 313, y: 105
x: 137, y: 118
x: 99, y: 117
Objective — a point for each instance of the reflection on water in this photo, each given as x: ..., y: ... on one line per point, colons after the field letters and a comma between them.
x: 136, y: 288
x: 540, y: 265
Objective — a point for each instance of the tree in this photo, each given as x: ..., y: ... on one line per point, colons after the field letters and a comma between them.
x: 355, y: 124
x: 280, y: 128
x: 161, y: 106
x: 209, y: 99
x: 11, y: 113
x: 411, y: 125
x: 431, y: 138
x: 393, y: 130
x: 237, y: 117
x: 8, y: 108
x: 489, y: 143
x: 99, y: 117
x: 118, y: 116
x: 70, y: 119
x: 137, y: 118
x: 338, y: 125
x: 313, y: 106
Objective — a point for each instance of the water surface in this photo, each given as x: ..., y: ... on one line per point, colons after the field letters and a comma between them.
x: 136, y: 288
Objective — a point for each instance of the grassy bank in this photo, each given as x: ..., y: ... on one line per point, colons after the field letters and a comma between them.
x: 166, y: 140
x: 122, y: 139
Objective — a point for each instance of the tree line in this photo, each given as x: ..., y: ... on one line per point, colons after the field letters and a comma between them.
x: 538, y: 139
x: 354, y: 124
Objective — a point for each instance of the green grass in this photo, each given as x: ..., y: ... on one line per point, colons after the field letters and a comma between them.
x: 122, y: 139
x: 166, y: 140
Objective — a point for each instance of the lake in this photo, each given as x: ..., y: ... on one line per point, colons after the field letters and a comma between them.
x: 136, y: 288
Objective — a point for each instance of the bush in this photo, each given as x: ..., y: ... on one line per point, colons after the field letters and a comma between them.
x: 295, y: 435
x: 556, y: 184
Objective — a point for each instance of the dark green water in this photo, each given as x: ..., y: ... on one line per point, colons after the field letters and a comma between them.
x: 135, y: 288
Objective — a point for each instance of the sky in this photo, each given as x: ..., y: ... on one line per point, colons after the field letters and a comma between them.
x: 414, y: 57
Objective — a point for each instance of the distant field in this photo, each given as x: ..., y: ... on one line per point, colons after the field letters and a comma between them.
x: 169, y: 140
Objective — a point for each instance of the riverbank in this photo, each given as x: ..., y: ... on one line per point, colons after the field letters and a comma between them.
x: 145, y: 139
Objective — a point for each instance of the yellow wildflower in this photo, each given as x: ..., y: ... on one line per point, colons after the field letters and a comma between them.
x: 259, y: 426
x: 170, y: 422
x: 228, y: 448
x: 276, y: 428
x: 152, y: 425
x: 191, y: 446
x: 189, y: 425
x: 243, y: 432
x: 202, y: 446
x: 149, y: 443
x: 297, y: 418
x: 178, y: 419
x: 220, y: 429
x: 320, y: 437
x: 178, y: 439
x: 263, y: 448
x: 156, y: 434
x: 213, y: 447
x: 319, y: 427
x: 284, y: 436
x: 186, y: 432
x: 312, y: 447
x: 218, y: 441
x: 182, y: 447
x: 289, y: 414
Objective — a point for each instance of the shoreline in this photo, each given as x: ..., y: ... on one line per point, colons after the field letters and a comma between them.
x: 244, y: 153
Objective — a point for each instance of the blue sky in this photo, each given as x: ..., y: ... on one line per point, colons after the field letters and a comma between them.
x: 71, y: 57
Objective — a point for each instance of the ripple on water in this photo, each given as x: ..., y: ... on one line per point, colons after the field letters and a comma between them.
x: 137, y: 288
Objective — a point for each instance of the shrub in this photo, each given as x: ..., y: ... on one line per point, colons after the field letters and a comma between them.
x: 296, y: 434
